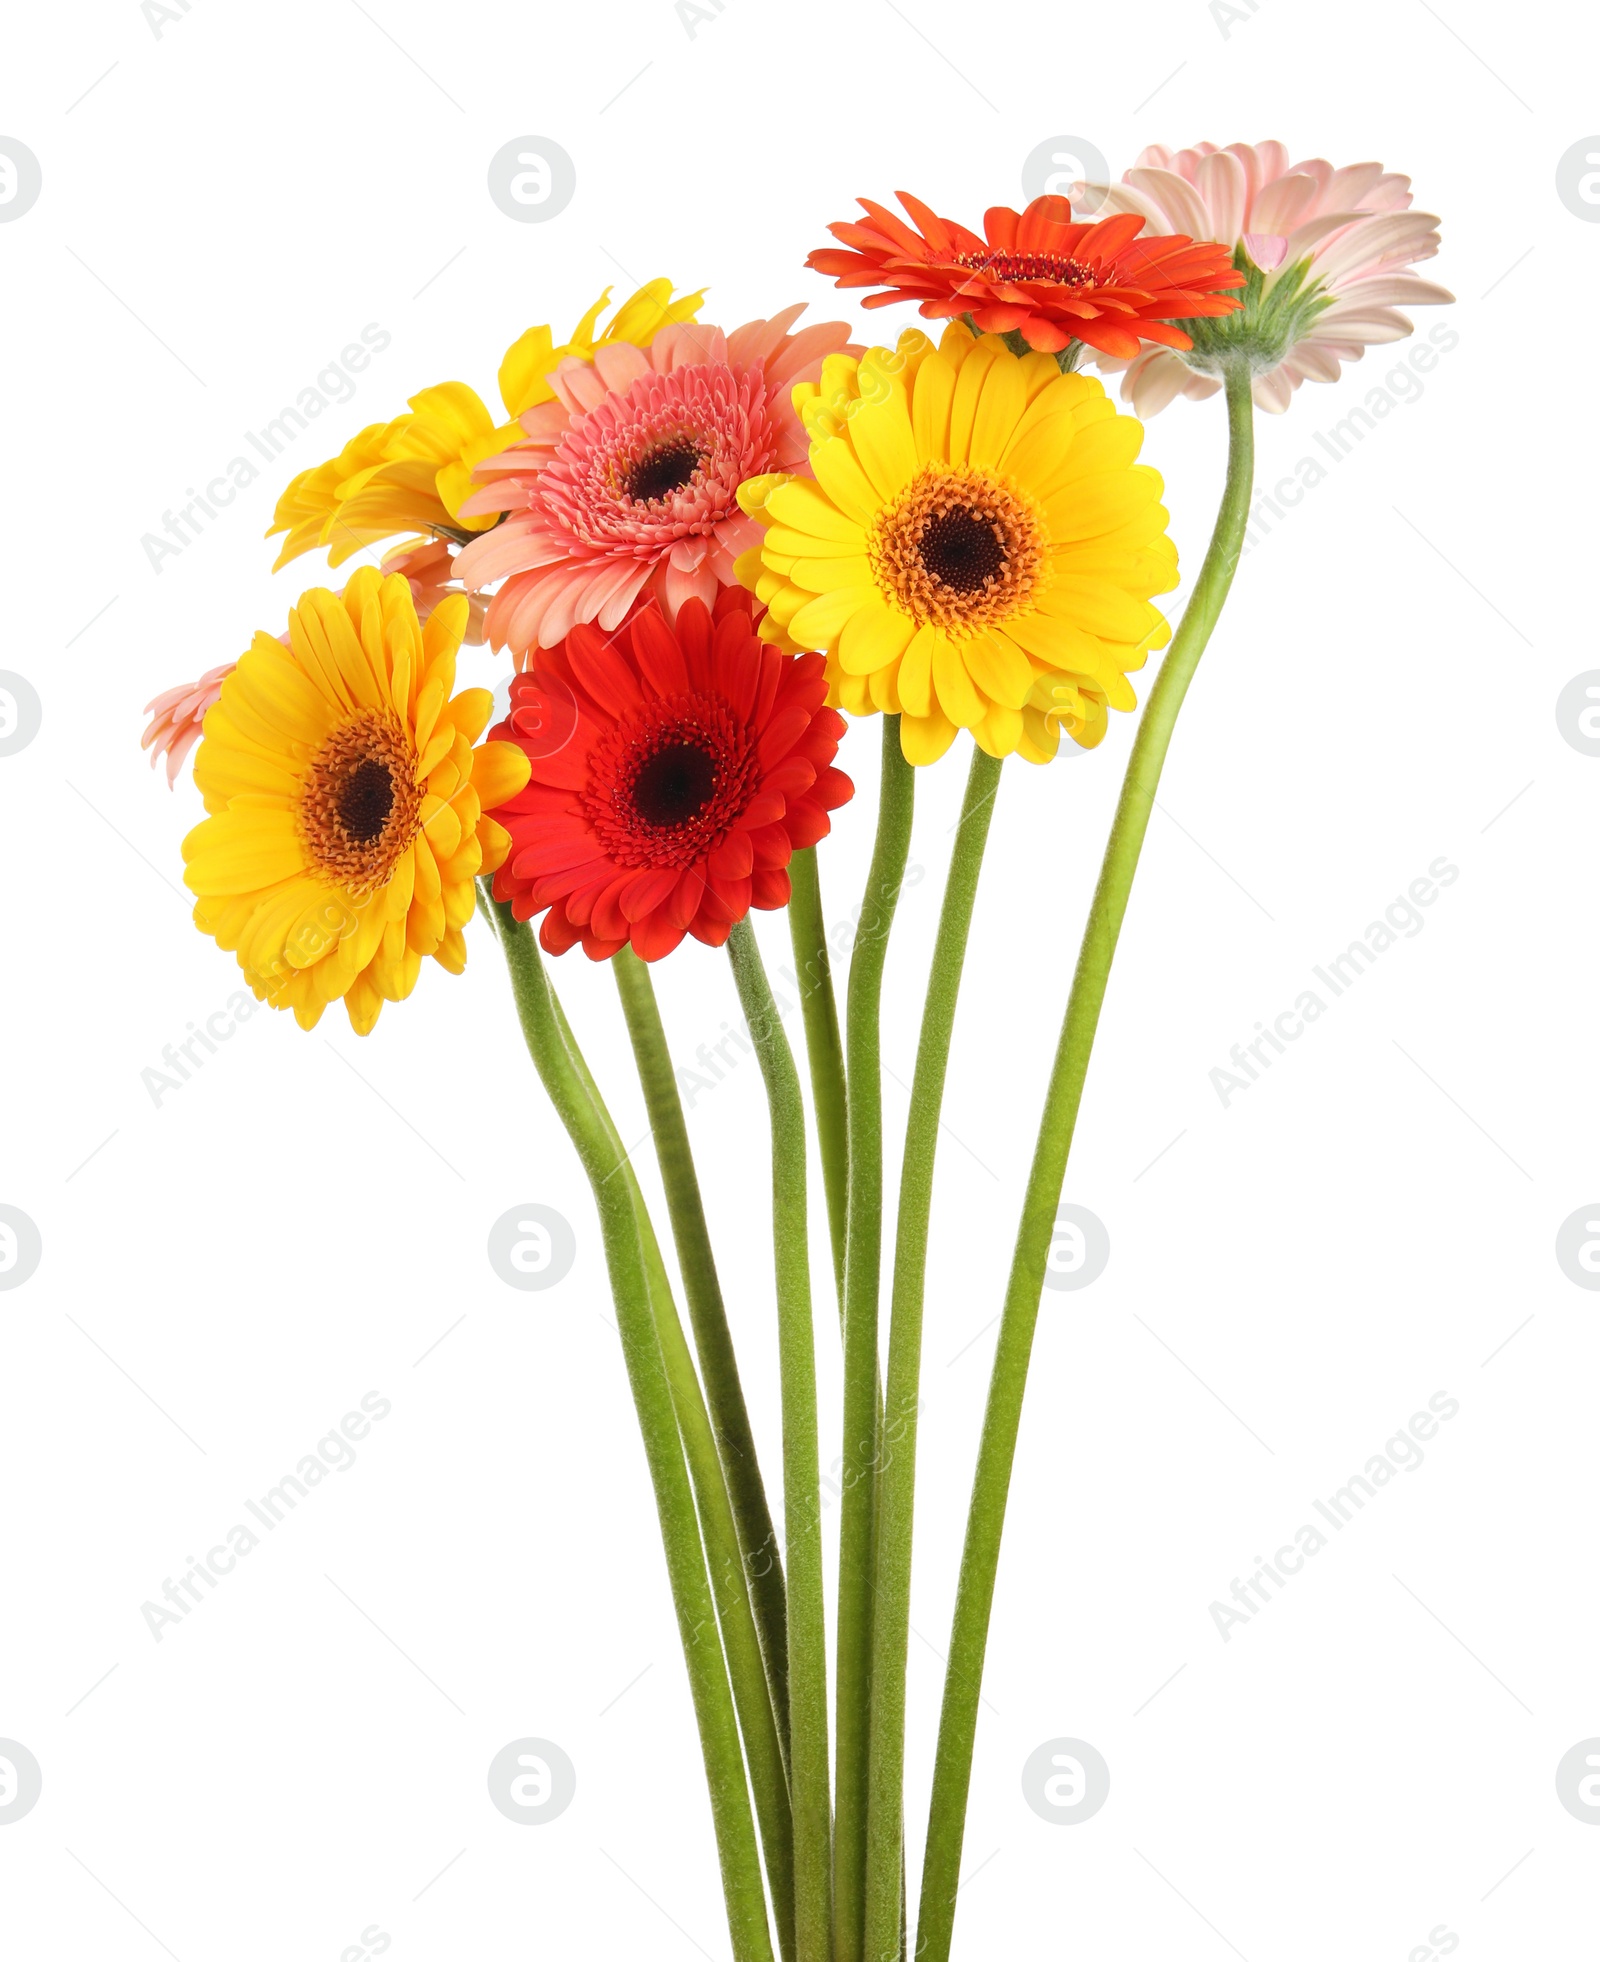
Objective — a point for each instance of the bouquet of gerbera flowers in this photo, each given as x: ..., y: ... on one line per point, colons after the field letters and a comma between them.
x: 700, y: 546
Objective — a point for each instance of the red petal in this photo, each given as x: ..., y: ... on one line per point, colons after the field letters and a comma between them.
x: 792, y: 776
x: 772, y: 846
x: 733, y: 858
x: 655, y: 938
x: 658, y: 654
x: 781, y: 734
x: 557, y: 934
x: 601, y: 670
x: 685, y: 902
x: 646, y: 891
x: 766, y: 807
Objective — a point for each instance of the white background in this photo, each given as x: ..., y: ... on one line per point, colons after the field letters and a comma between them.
x: 225, y: 1275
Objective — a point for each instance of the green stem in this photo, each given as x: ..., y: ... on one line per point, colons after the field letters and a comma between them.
x: 802, y: 1496
x: 808, y: 935
x: 599, y: 1151
x: 713, y: 1341
x: 891, y: 1608
x: 863, y: 1259
x: 997, y: 1448
x: 764, y: 1748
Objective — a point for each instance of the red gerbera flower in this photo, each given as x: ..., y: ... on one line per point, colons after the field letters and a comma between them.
x: 675, y: 771
x: 1037, y: 273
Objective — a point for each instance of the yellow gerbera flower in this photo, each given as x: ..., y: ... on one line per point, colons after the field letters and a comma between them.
x: 412, y: 474
x: 347, y: 802
x: 978, y: 550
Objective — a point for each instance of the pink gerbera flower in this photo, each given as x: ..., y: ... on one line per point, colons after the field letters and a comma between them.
x: 1329, y: 254
x: 429, y: 567
x: 628, y: 482
x: 176, y: 717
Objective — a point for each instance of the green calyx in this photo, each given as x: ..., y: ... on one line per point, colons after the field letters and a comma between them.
x: 1279, y: 310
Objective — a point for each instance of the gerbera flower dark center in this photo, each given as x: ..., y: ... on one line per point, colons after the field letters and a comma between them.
x: 958, y: 549
x: 674, y: 785
x: 1043, y: 267
x: 661, y: 472
x: 962, y: 550
x: 669, y: 782
x: 365, y: 799
x: 361, y: 805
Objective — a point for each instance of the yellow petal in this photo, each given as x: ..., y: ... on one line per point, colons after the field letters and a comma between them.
x: 242, y: 850
x: 495, y: 842
x: 915, y: 678
x: 880, y: 435
x: 441, y: 827
x: 451, y: 952
x: 931, y: 396
x: 925, y: 738
x: 873, y: 637
x: 499, y: 771
x: 819, y: 621
x: 1000, y: 733
x: 802, y: 507
x: 969, y: 386
x: 844, y: 480
x: 958, y: 698
x: 1000, y: 407
x: 999, y: 668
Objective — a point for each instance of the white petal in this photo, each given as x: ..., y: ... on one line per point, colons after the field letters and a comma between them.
x: 1367, y: 326
x: 1351, y: 185
x: 1123, y: 197
x: 1283, y: 203
x: 1274, y: 392
x: 1314, y: 361
x: 1315, y: 230
x: 1399, y: 234
x: 1222, y: 183
x: 1395, y: 290
x: 1161, y: 379
x: 1181, y: 203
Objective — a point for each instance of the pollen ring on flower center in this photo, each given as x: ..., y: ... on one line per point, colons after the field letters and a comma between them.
x: 958, y: 549
x: 1047, y: 268
x: 667, y: 784
x: 361, y: 805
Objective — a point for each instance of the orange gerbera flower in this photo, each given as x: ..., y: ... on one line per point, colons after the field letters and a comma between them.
x: 1038, y: 274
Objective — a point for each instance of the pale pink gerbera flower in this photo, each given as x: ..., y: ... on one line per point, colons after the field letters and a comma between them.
x: 1328, y: 253
x: 629, y: 480
x: 176, y: 716
x: 430, y: 570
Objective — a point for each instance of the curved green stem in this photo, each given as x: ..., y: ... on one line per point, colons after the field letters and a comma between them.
x: 808, y: 934
x: 808, y: 1658
x: 713, y: 1341
x: 863, y: 1259
x: 891, y: 1608
x: 765, y: 1748
x: 997, y: 1448
x: 631, y: 1283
